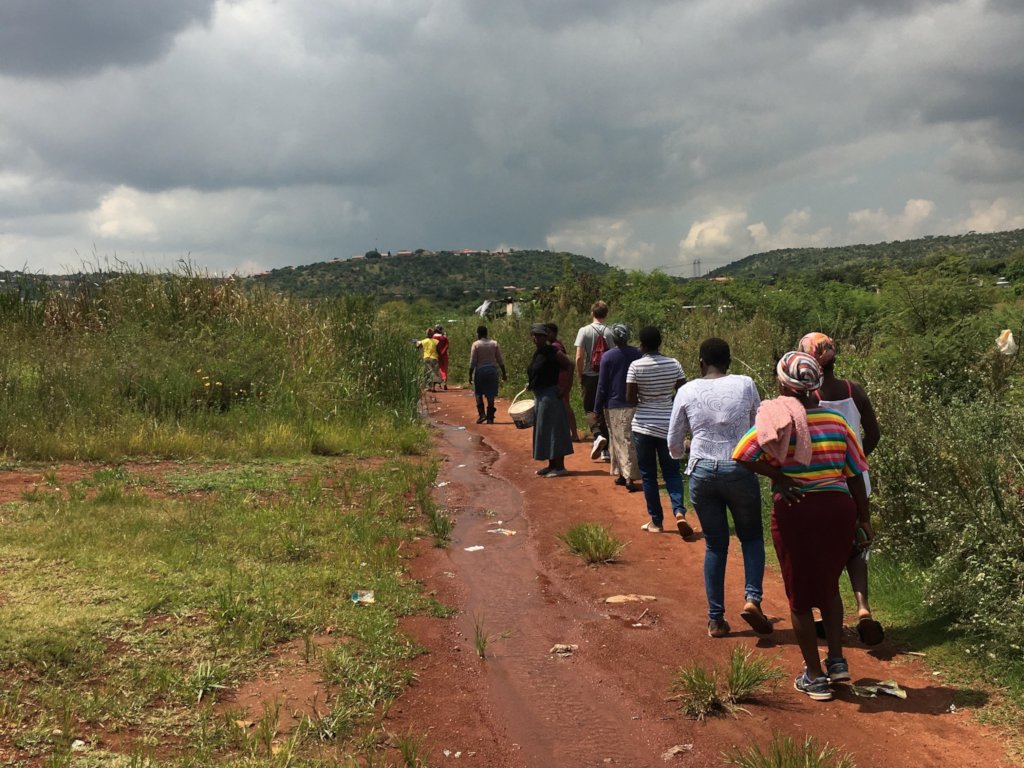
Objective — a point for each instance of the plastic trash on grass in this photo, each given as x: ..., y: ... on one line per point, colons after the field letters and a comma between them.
x: 1006, y: 343
x: 363, y: 597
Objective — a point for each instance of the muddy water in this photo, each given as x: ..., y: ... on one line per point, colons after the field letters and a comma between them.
x: 554, y: 712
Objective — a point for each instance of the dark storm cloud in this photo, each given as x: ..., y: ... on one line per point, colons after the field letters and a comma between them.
x: 289, y: 131
x: 802, y: 15
x: 74, y: 39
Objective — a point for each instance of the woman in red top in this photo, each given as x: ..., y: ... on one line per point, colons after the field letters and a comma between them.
x: 442, y: 353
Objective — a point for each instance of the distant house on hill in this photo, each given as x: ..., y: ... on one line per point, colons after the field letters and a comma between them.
x: 357, y: 258
x: 403, y: 253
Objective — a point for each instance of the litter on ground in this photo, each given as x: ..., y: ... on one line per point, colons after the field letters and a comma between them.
x: 503, y: 531
x: 363, y: 597
x: 617, y: 599
x: 563, y: 649
x: 888, y: 687
x: 474, y: 548
x: 678, y: 749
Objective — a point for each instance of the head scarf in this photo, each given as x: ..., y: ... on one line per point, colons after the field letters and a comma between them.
x: 538, y: 329
x: 620, y: 332
x: 799, y: 372
x: 819, y: 346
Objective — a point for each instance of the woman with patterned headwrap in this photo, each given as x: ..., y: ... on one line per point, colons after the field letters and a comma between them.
x: 815, y: 463
x: 849, y: 398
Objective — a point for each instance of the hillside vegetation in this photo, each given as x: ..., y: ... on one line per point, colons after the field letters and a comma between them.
x: 444, y: 277
x: 853, y: 263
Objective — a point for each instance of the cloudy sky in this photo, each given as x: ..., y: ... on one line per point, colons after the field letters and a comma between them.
x: 249, y: 134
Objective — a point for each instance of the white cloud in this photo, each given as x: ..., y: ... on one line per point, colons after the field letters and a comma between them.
x: 119, y: 218
x: 716, y: 234
x: 609, y: 240
x: 795, y: 232
x: 877, y: 225
x: 995, y: 216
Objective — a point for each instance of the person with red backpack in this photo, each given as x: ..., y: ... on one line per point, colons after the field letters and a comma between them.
x: 592, y: 341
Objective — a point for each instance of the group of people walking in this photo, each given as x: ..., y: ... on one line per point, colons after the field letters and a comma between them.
x: 811, y: 442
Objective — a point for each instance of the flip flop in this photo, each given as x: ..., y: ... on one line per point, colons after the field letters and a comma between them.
x: 757, y: 621
x: 685, y: 529
x: 870, y: 631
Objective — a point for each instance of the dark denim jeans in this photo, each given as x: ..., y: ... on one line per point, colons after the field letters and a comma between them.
x: 714, y: 486
x: 650, y: 452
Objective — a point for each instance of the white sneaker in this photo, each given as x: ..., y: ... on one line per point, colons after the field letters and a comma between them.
x: 600, y: 443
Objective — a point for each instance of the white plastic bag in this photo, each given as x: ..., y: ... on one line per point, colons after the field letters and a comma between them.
x: 1006, y: 343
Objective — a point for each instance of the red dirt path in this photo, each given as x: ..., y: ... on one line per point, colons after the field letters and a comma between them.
x: 608, y: 704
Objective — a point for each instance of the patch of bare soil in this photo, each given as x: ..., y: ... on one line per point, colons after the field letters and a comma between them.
x: 290, y: 689
x: 608, y: 703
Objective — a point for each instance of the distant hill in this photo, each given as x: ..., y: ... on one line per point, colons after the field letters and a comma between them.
x: 445, y: 277
x: 850, y: 262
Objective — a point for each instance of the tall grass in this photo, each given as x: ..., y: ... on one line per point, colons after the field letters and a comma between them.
x: 185, y: 365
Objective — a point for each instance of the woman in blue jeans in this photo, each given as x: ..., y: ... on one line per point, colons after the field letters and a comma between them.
x: 716, y: 410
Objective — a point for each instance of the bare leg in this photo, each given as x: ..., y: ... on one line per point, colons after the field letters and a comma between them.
x: 857, y: 569
x: 832, y: 615
x: 803, y: 628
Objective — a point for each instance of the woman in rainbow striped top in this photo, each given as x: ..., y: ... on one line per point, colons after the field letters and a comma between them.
x: 815, y: 463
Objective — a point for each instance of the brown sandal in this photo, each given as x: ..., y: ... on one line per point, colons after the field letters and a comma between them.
x: 756, y: 619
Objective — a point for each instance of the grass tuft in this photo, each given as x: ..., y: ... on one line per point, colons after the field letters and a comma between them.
x: 480, y: 637
x: 592, y: 542
x: 412, y: 750
x: 703, y: 692
x: 784, y: 752
x: 749, y: 674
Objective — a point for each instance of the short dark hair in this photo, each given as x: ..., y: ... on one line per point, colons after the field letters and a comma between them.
x: 650, y: 337
x: 481, y: 331
x: 552, y: 328
x: 599, y: 310
x: 715, y: 351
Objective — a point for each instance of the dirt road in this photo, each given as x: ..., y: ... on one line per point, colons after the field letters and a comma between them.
x: 609, y: 702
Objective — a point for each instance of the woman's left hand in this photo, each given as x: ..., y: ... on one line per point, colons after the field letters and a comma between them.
x: 788, y: 489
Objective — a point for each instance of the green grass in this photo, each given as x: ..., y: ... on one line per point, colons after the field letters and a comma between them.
x: 704, y: 692
x: 135, y: 614
x: 749, y: 674
x: 592, y: 542
x: 784, y: 752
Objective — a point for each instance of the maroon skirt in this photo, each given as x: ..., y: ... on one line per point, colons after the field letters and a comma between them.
x: 812, y: 539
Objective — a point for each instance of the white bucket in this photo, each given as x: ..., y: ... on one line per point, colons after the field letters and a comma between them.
x: 522, y: 411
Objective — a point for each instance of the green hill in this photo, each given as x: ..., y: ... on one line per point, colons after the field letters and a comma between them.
x: 985, y: 252
x: 444, y: 276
